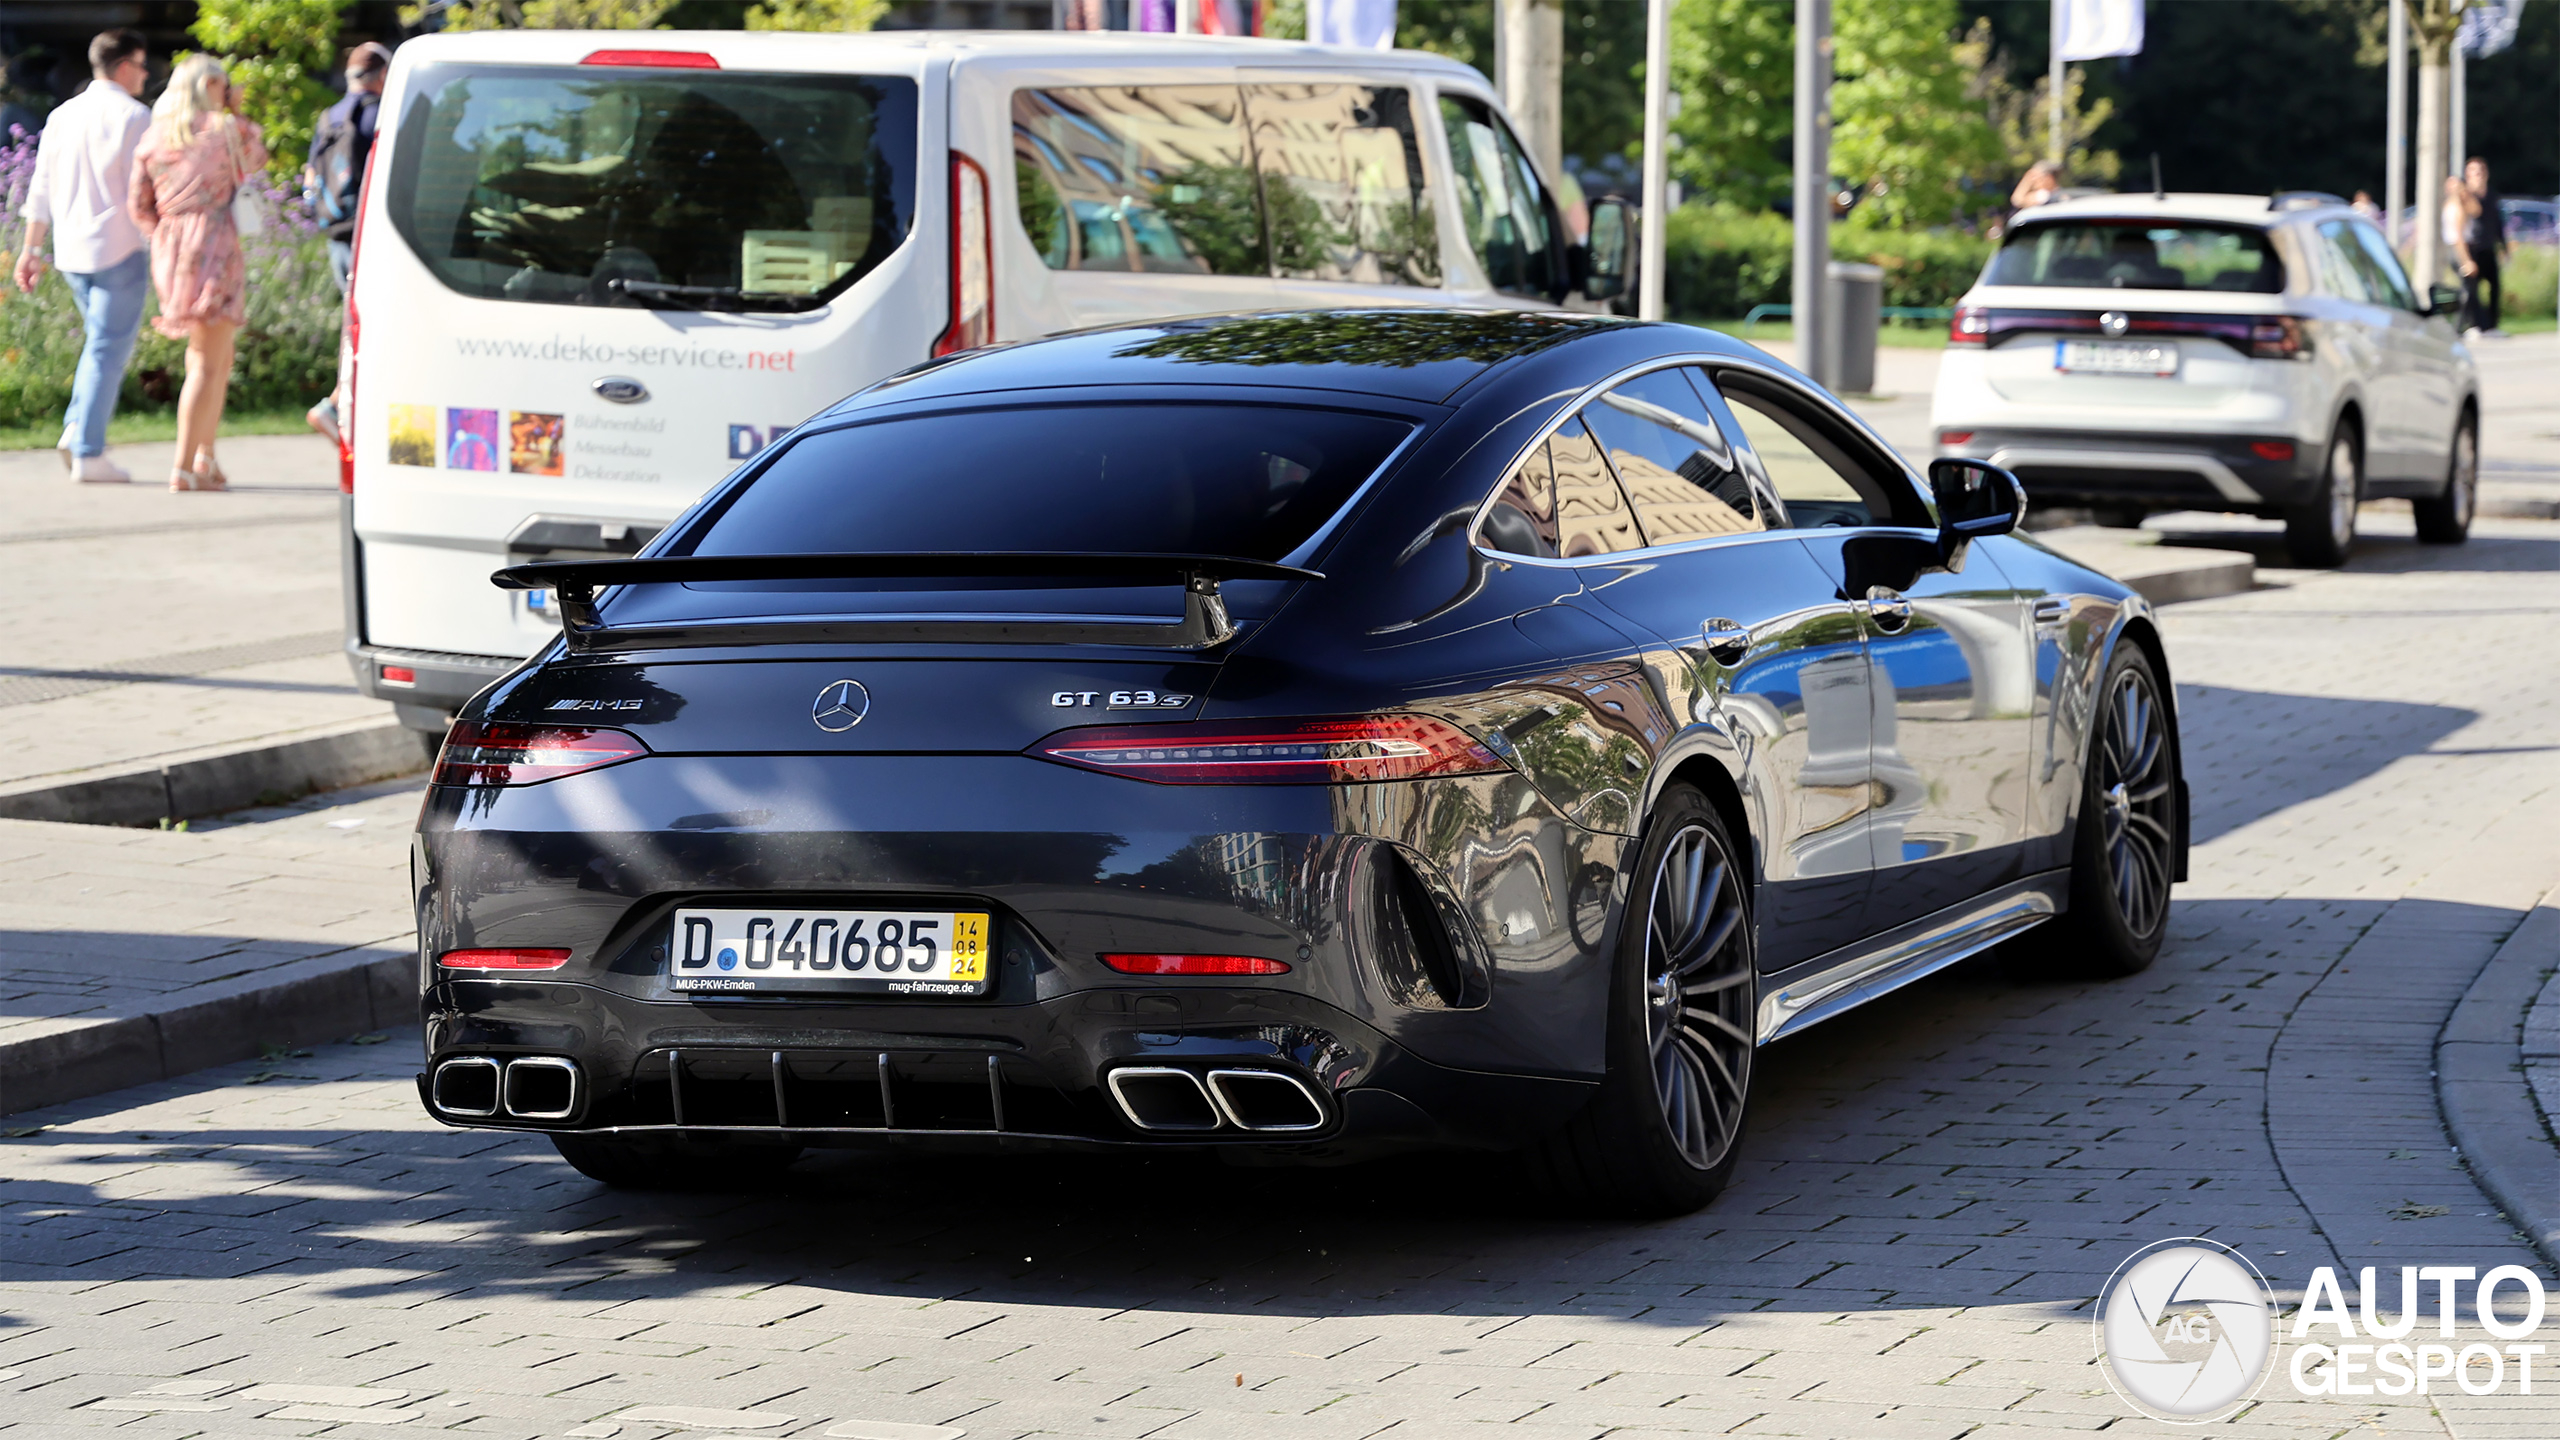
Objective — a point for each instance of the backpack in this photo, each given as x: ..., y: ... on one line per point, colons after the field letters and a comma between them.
x: 338, y: 156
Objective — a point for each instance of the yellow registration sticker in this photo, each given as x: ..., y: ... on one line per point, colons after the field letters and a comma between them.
x: 968, y: 948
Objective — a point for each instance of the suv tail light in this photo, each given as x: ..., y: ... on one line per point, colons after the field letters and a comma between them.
x: 973, y: 261
x: 1971, y: 325
x: 1276, y: 752
x: 2279, y: 338
x: 484, y: 752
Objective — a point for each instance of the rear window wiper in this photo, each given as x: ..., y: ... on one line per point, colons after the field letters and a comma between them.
x: 1204, y: 620
x: 708, y: 297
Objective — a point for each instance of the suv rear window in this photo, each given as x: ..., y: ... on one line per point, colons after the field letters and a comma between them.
x: 1242, y: 480
x: 719, y: 189
x: 2138, y: 255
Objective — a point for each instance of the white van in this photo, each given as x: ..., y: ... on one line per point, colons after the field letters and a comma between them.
x: 598, y: 270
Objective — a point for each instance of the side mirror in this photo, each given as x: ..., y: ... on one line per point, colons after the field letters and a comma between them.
x: 1975, y: 498
x: 1612, y: 249
x: 2443, y: 300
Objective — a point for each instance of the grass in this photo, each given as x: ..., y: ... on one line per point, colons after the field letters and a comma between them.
x: 150, y: 425
x: 1893, y: 336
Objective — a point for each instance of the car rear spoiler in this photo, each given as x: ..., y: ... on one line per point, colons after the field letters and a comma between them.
x: 1204, y: 620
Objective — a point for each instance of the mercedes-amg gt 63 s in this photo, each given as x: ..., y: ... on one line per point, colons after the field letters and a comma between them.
x: 1296, y: 736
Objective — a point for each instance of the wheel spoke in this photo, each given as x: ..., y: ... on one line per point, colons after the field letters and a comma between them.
x: 1725, y: 981
x: 1739, y: 1035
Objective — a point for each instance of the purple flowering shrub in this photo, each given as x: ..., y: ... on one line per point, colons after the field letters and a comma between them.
x: 288, y: 349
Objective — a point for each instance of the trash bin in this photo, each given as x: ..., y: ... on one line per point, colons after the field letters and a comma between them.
x: 1855, y: 309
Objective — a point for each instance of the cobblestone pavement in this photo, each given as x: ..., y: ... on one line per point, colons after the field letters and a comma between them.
x: 1934, y: 1188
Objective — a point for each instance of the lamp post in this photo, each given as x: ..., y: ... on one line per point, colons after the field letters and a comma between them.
x: 1657, y: 189
x: 1813, y: 188
x: 2395, y: 142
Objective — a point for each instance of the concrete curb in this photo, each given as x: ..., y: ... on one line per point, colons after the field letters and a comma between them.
x: 209, y: 784
x: 327, y: 997
x: 2488, y: 1104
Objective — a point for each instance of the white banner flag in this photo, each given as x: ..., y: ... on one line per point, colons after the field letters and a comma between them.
x: 1369, y: 24
x: 2096, y: 29
x: 2489, y: 26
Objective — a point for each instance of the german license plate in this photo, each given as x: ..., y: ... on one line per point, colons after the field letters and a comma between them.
x: 879, y: 952
x: 2115, y: 357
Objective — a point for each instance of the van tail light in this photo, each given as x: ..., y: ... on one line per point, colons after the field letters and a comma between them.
x: 2279, y: 338
x: 1955, y: 437
x: 1276, y: 752
x: 1971, y: 325
x: 1195, y: 965
x: 973, y: 261
x: 485, y: 752
x: 663, y: 59
x: 502, y: 959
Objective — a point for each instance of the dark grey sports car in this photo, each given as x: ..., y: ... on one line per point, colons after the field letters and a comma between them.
x: 1313, y: 734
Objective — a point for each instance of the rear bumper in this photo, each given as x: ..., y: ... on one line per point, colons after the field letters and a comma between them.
x: 440, y: 683
x: 2159, y: 471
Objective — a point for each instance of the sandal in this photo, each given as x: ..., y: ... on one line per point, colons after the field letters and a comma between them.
x: 208, y: 472
x: 181, y: 478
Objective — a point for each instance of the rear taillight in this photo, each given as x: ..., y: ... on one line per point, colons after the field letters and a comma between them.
x: 482, y: 752
x: 1971, y: 325
x: 502, y: 959
x: 1276, y: 752
x: 973, y: 261
x: 1955, y: 437
x: 662, y: 59
x: 2280, y: 338
x: 2271, y: 449
x: 399, y: 675
x: 1195, y: 965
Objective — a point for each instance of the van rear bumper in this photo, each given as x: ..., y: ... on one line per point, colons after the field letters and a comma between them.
x: 439, y: 682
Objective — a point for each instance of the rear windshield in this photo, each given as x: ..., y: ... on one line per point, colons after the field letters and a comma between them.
x: 1241, y: 480
x: 705, y: 188
x: 2138, y: 255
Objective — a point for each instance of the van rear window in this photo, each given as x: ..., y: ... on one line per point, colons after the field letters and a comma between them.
x: 2138, y: 255
x: 1244, y: 480
x: 588, y: 185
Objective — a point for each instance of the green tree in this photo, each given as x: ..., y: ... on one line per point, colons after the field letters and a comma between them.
x: 823, y: 15
x: 274, y: 51
x: 2023, y: 117
x: 1902, y: 121
x: 1733, y: 67
x: 539, y: 14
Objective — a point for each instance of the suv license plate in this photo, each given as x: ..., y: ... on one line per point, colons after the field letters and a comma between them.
x: 2114, y: 357
x: 802, y: 952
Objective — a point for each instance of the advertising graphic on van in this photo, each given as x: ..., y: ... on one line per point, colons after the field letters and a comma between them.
x: 594, y: 352
x: 470, y: 439
x: 533, y: 443
x: 748, y: 441
x: 410, y: 431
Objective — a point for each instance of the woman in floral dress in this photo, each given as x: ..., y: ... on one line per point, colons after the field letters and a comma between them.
x: 195, y: 158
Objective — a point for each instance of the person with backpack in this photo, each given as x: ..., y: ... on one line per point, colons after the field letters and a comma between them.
x: 333, y: 178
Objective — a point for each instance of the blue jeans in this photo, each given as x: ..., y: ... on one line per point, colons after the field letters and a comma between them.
x: 110, y: 310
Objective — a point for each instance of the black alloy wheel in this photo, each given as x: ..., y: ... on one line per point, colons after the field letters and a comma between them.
x: 1663, y: 1133
x: 2124, y: 853
x: 2320, y: 533
x: 2446, y: 519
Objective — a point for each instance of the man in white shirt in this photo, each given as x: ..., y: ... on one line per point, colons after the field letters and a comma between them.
x: 84, y: 166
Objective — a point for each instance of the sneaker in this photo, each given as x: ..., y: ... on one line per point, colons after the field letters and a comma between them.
x: 70, y: 462
x: 98, y: 470
x: 323, y: 417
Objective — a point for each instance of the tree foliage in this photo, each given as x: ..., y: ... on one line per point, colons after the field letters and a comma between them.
x: 821, y: 15
x: 1902, y: 121
x: 539, y: 14
x: 275, y: 50
x: 2022, y: 119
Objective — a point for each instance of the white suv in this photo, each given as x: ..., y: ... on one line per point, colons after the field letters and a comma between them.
x: 2134, y: 353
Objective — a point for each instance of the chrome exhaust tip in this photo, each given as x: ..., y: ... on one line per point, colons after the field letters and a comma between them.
x: 541, y: 1087
x: 1267, y: 1102
x: 1160, y: 1098
x: 466, y: 1087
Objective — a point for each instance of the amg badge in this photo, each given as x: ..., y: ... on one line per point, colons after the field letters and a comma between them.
x: 1118, y: 700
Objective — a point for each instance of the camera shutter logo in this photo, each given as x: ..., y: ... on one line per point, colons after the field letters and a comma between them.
x: 2186, y: 1330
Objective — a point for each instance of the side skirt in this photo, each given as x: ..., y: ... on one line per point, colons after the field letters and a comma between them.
x: 1849, y: 977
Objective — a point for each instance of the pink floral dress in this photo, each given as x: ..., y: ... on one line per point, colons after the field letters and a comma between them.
x: 181, y: 197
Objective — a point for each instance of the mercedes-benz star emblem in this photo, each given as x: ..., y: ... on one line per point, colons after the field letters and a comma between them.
x: 2114, y: 322
x: 841, y: 706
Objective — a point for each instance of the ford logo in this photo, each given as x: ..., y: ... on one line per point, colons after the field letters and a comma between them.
x: 840, y: 706
x: 622, y: 390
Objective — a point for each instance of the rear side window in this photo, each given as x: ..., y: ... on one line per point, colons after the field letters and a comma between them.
x: 1342, y: 181
x: 746, y: 191
x: 2138, y: 255
x: 1240, y: 480
x: 1592, y: 514
x: 1508, y: 220
x: 1673, y: 460
x: 1138, y: 177
x: 2384, y: 280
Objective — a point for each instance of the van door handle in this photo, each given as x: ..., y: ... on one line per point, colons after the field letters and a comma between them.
x: 1888, y: 609
x: 1727, y: 640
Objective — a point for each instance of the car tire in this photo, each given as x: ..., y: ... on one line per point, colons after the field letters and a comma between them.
x: 2320, y: 533
x: 674, y: 1162
x: 2124, y: 843
x: 2446, y: 519
x: 1664, y: 1131
x: 2117, y: 517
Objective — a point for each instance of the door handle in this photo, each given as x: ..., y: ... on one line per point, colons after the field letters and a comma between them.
x: 2052, y: 610
x: 1886, y: 607
x: 1727, y: 640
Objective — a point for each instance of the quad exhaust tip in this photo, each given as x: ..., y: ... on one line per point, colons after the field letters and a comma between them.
x: 1161, y: 1099
x: 529, y: 1087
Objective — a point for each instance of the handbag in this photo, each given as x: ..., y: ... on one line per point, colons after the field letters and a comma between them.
x: 247, y: 215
